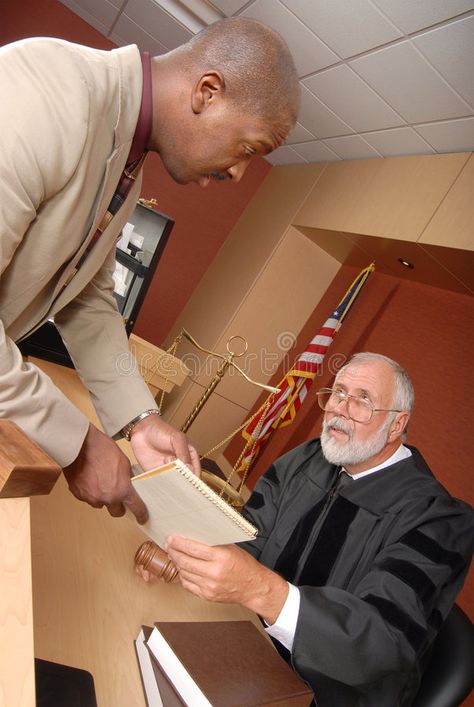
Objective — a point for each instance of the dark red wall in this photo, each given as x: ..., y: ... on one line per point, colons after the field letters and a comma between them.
x: 203, y: 217
x: 431, y: 333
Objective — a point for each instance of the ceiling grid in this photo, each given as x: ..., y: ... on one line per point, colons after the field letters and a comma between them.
x: 379, y: 78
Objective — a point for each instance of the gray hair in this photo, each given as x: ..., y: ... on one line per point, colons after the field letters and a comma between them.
x: 404, y: 394
x: 258, y: 68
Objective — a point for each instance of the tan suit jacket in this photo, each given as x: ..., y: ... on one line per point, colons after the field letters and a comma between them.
x: 66, y: 125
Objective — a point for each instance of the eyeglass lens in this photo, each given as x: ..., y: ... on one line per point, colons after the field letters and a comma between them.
x: 358, y: 409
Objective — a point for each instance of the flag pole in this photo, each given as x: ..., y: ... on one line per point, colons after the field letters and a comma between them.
x: 280, y: 409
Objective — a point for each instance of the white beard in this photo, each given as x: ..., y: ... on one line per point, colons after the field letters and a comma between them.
x: 351, y: 452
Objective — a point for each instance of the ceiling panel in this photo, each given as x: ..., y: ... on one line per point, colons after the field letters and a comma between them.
x: 360, y: 74
x: 397, y: 142
x: 349, y: 27
x: 318, y: 119
x: 449, y: 135
x: 309, y: 53
x: 285, y: 155
x: 413, y: 15
x: 316, y: 151
x: 299, y: 134
x: 450, y: 49
x: 352, y: 100
x: 229, y: 7
x: 100, y: 15
x: 409, y: 84
x: 351, y: 147
x: 127, y: 32
x: 157, y: 23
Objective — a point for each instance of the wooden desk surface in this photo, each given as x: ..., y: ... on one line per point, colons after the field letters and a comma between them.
x: 88, y: 602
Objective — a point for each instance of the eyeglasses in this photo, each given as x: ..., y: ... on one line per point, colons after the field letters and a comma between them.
x: 358, y: 409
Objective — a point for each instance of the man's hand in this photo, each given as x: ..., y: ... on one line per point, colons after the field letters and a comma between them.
x: 154, y: 442
x: 228, y: 574
x: 100, y: 475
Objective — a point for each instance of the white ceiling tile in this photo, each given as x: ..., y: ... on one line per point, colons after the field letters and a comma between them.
x: 449, y: 135
x: 351, y: 147
x: 399, y: 141
x: 356, y: 103
x: 309, y: 53
x: 450, y: 49
x: 229, y: 7
x: 284, y: 155
x: 316, y: 151
x: 409, y: 84
x: 299, y: 134
x: 157, y: 23
x: 349, y: 27
x: 413, y: 15
x: 101, y: 15
x: 127, y: 32
x: 319, y: 120
x: 425, y: 81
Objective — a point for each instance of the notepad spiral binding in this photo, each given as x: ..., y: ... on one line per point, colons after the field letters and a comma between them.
x: 217, y: 500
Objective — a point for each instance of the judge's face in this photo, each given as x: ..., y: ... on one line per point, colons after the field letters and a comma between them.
x: 349, y: 443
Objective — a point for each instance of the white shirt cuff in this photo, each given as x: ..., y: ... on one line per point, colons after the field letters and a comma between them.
x: 284, y: 628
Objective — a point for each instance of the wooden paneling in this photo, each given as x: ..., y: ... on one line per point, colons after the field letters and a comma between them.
x: 393, y: 198
x: 449, y: 268
x: 17, y: 681
x: 453, y: 223
x: 274, y: 310
x: 245, y: 252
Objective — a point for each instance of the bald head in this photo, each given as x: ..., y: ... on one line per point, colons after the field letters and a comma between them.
x: 258, y: 69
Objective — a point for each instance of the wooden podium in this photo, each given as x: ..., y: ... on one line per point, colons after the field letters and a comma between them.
x: 25, y: 470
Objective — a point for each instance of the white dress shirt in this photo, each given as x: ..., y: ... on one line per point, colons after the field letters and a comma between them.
x: 284, y: 628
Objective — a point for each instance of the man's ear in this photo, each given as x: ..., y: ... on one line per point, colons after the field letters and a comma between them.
x: 398, y: 425
x: 209, y: 87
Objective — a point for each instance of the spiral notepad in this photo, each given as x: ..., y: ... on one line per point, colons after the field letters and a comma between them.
x: 180, y: 503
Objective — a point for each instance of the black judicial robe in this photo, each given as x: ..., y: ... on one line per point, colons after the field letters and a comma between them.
x: 378, y: 565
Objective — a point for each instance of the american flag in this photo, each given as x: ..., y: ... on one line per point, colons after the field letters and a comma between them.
x: 279, y: 410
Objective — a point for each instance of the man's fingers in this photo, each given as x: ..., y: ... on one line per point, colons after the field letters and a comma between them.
x: 116, y: 509
x: 189, y: 547
x: 195, y: 463
x: 182, y: 449
x: 135, y: 504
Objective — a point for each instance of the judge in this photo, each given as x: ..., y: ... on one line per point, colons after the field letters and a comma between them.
x: 75, y: 126
x: 360, y: 552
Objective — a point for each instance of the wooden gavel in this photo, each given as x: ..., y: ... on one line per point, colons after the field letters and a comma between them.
x: 152, y: 558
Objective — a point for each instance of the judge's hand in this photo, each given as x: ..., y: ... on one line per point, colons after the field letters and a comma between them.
x: 228, y: 574
x: 154, y: 442
x: 100, y: 475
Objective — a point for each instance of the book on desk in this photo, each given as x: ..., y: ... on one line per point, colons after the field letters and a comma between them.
x: 215, y: 664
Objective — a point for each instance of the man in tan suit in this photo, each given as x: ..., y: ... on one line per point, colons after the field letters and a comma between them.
x: 68, y: 121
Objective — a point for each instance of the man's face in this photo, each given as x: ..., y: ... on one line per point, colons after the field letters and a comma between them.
x: 217, y: 144
x: 348, y: 443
